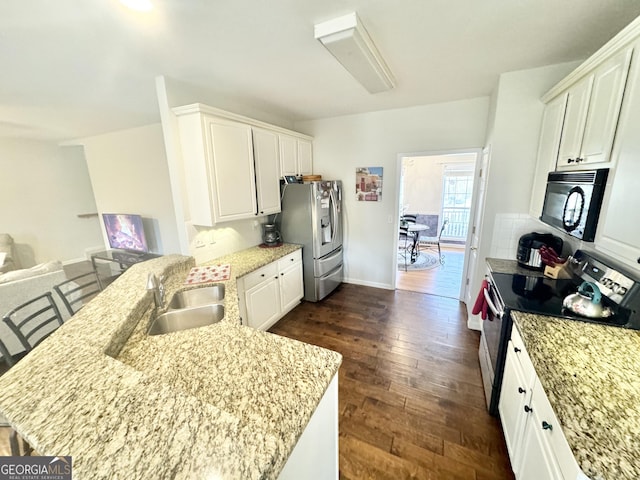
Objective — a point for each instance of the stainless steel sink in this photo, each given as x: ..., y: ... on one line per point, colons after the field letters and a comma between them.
x: 197, y: 296
x: 186, y: 318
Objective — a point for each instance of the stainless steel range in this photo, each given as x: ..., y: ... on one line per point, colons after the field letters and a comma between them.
x: 620, y: 296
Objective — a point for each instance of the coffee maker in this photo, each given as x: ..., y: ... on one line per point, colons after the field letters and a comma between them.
x: 271, y: 235
x: 529, y: 249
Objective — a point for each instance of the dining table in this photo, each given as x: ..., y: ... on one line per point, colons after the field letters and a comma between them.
x: 416, y: 229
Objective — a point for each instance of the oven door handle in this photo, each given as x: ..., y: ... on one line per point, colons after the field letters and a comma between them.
x: 492, y: 305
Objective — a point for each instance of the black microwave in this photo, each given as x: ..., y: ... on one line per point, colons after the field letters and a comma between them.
x: 572, y: 202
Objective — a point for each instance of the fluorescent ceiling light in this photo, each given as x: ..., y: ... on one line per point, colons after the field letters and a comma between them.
x: 138, y: 5
x: 348, y: 41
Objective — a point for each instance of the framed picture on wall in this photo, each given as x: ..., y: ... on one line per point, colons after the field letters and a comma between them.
x: 369, y: 184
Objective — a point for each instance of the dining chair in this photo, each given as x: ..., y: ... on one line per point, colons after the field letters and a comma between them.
x: 77, y: 291
x: 434, y: 242
x: 4, y: 351
x: 32, y: 322
x: 406, y: 248
x: 410, y: 218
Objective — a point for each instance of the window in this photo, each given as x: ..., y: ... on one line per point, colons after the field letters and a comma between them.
x: 456, y: 201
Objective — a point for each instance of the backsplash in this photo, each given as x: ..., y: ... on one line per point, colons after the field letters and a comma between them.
x: 206, y: 244
x: 509, y: 227
x: 507, y: 230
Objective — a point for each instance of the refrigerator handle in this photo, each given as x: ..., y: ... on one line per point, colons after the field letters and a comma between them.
x: 334, y: 205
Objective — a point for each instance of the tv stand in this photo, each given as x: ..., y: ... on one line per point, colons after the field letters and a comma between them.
x: 123, y: 258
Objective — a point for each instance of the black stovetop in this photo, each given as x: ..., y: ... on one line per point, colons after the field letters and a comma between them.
x: 544, y: 296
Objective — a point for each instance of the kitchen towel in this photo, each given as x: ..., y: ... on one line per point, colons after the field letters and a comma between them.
x: 213, y: 273
x: 481, y: 306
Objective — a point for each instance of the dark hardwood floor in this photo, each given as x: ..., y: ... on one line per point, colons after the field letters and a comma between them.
x: 410, y: 391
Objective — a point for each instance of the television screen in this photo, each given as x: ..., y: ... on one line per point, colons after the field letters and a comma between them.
x: 125, y: 232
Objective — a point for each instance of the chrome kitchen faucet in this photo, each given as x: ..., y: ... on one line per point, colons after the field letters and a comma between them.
x: 157, y: 285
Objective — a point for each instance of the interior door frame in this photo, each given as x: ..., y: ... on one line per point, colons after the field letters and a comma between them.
x: 477, y: 209
x: 472, y: 213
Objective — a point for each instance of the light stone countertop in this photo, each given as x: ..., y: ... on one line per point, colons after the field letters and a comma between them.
x: 222, y: 401
x: 502, y: 265
x: 590, y: 375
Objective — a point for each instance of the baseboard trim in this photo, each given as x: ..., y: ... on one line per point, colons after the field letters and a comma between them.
x: 474, y: 323
x: 364, y: 283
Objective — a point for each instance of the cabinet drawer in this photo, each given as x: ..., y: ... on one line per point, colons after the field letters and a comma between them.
x: 522, y: 356
x: 549, y: 425
x: 286, y: 262
x: 258, y: 276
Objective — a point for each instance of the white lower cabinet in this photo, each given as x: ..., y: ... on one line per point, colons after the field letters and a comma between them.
x: 537, y: 447
x: 269, y: 293
x: 537, y: 461
x: 516, y: 393
x: 316, y: 453
x: 291, y: 283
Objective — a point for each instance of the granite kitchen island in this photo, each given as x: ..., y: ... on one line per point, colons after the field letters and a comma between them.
x: 222, y: 401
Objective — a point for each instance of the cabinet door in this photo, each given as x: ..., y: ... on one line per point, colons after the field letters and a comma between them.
x: 618, y: 230
x: 291, y: 286
x: 604, y: 109
x: 538, y: 462
x: 267, y: 163
x: 263, y: 304
x: 305, y: 157
x: 574, y: 122
x: 548, y: 146
x: 288, y: 155
x: 513, y: 397
x: 233, y: 175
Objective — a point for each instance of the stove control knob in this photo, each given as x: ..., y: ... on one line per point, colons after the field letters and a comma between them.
x: 619, y: 289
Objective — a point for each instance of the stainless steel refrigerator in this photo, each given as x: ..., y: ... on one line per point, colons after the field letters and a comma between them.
x: 312, y: 216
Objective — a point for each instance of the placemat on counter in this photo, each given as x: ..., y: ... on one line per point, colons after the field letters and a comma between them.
x: 212, y: 273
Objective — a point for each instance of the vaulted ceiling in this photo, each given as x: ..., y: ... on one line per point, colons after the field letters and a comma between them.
x: 77, y: 68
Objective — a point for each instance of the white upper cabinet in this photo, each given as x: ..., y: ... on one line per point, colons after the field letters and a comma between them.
x: 295, y: 156
x: 575, y: 120
x: 232, y: 172
x: 266, y: 154
x: 548, y: 148
x: 218, y: 169
x: 232, y: 164
x: 604, y: 108
x: 593, y: 108
x: 618, y: 231
x: 305, y: 157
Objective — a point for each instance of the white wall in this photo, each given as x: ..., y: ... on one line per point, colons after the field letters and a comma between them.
x: 422, y: 185
x: 129, y: 174
x: 513, y: 141
x: 377, y: 139
x: 44, y: 189
x: 422, y: 179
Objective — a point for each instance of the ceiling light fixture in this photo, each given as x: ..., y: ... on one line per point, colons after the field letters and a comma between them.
x: 138, y: 5
x: 348, y: 41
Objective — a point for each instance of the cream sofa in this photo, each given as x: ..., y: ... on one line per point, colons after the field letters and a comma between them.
x: 7, y: 262
x: 19, y: 286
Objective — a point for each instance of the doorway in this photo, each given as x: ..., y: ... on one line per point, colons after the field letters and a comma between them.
x: 436, y: 191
